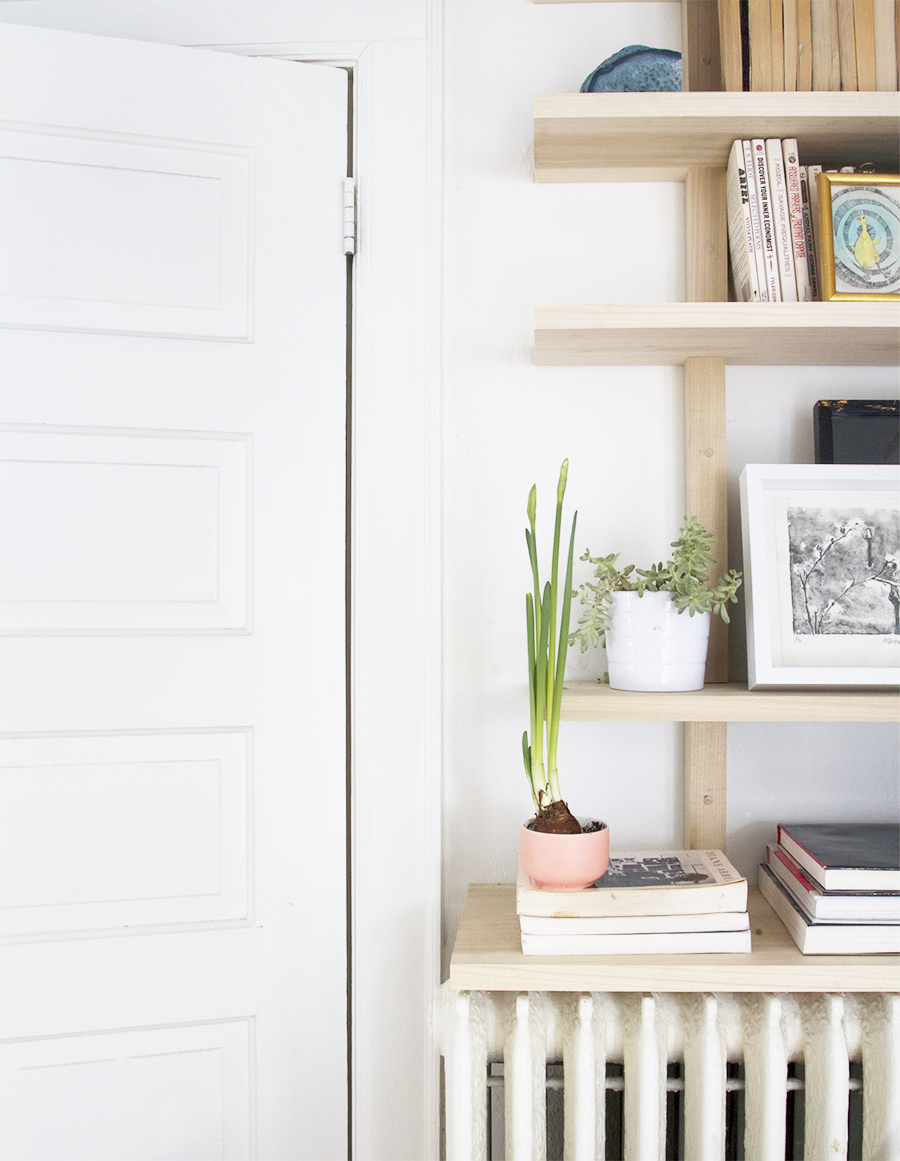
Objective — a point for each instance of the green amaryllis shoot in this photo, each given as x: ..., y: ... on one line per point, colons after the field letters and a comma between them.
x: 547, y: 619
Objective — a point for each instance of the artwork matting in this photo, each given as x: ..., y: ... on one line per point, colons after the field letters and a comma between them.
x: 822, y: 574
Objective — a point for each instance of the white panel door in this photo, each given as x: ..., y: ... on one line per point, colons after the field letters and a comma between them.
x: 173, y: 471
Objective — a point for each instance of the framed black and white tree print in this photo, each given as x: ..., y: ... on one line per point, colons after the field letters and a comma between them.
x: 822, y: 574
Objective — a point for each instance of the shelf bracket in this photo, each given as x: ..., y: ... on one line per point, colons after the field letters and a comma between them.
x: 705, y: 768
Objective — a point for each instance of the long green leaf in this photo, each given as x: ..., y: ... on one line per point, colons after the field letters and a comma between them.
x: 553, y: 723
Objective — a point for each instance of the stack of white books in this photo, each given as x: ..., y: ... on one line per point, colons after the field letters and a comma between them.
x: 647, y: 903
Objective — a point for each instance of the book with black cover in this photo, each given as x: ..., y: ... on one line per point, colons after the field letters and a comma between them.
x: 856, y: 856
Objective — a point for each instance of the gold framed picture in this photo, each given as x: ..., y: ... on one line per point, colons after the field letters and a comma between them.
x: 859, y: 231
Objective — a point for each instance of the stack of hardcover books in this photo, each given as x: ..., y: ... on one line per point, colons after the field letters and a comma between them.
x: 836, y: 887
x: 647, y: 903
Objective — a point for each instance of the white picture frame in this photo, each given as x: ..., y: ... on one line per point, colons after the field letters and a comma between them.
x: 821, y: 574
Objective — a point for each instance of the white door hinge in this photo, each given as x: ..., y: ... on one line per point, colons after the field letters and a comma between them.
x: 349, y: 215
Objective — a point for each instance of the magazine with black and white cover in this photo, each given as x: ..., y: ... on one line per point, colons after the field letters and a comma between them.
x: 766, y: 224
x: 668, y: 882
x: 781, y: 219
x: 795, y: 210
x: 740, y: 229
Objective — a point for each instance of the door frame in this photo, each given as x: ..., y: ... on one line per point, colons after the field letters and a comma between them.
x: 395, y: 503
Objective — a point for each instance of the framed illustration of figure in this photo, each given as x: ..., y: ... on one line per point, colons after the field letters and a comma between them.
x: 859, y: 228
x: 822, y: 574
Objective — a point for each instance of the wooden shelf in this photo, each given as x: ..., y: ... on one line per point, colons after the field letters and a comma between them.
x: 488, y: 956
x: 589, y: 701
x: 660, y: 136
x: 743, y: 333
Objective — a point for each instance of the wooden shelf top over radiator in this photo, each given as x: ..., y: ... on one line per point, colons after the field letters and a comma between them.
x: 488, y: 957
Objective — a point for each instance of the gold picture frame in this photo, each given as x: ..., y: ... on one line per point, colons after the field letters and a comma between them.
x: 855, y: 264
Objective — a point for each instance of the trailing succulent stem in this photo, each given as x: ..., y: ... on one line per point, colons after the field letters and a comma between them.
x: 547, y: 620
x: 685, y: 576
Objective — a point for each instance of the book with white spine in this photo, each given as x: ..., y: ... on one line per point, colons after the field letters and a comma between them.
x: 633, y: 924
x: 656, y: 943
x: 740, y: 229
x: 795, y: 209
x: 766, y: 225
x: 781, y: 219
x: 826, y: 938
x: 761, y: 279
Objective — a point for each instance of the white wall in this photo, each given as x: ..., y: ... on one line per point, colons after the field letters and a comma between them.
x: 509, y: 245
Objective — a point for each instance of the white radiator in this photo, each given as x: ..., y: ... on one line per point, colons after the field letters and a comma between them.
x: 644, y: 1033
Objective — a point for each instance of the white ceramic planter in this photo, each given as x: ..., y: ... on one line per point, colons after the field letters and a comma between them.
x: 652, y: 647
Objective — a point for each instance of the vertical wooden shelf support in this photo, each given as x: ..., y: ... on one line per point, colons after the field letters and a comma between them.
x: 705, y: 762
x: 705, y: 235
x: 706, y: 274
x: 706, y: 280
x: 705, y: 483
x: 701, y: 56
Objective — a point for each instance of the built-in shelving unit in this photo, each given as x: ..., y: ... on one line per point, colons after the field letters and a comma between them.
x: 488, y: 956
x: 687, y: 137
x: 589, y: 701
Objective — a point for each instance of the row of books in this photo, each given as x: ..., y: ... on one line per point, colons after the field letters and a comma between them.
x: 809, y: 44
x: 836, y: 888
x: 658, y: 903
x: 773, y: 222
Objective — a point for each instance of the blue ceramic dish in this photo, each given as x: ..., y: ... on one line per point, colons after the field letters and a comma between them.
x: 637, y: 69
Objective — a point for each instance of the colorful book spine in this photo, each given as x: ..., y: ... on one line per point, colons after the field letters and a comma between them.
x: 781, y: 219
x: 766, y: 225
x: 795, y: 209
x: 812, y: 175
x: 812, y: 259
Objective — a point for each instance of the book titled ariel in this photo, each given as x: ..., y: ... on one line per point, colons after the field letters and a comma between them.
x: 644, y: 883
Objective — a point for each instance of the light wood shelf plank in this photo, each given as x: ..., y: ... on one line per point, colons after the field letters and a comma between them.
x: 659, y: 136
x: 488, y: 956
x: 590, y: 701
x: 743, y: 333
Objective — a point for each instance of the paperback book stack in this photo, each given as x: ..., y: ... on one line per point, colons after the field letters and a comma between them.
x: 773, y: 222
x: 647, y: 903
x: 808, y: 45
x: 836, y: 887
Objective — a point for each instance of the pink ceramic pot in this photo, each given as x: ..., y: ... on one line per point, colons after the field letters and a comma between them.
x: 565, y: 861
